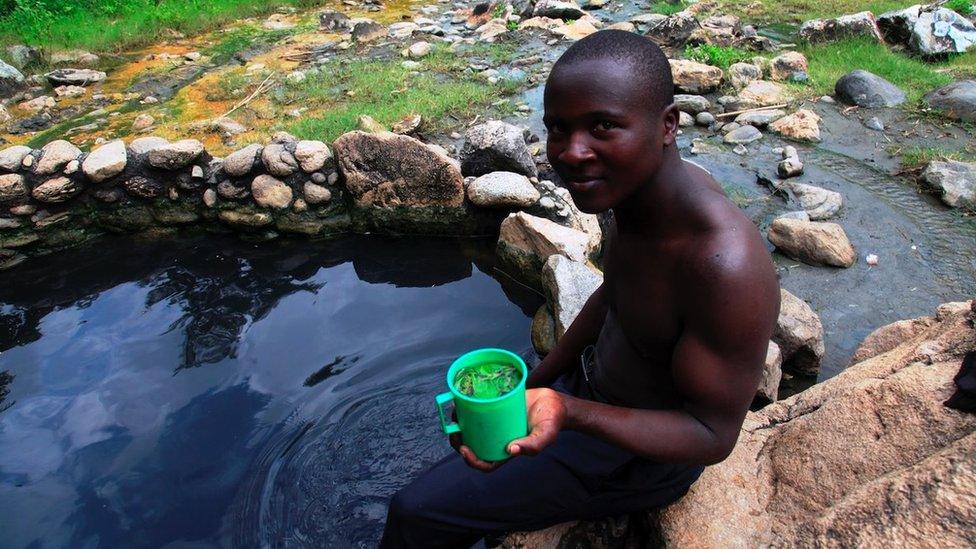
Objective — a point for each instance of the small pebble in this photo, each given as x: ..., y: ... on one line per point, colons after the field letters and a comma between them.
x: 874, y: 123
x: 871, y: 259
x: 827, y: 99
x: 740, y: 150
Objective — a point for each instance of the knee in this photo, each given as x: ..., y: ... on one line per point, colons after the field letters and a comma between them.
x: 410, y: 503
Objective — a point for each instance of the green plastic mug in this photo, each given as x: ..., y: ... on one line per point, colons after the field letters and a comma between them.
x: 486, y: 425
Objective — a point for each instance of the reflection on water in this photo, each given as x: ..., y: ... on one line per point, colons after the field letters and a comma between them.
x: 211, y: 392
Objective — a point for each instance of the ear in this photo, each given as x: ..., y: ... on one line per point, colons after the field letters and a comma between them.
x: 669, y: 124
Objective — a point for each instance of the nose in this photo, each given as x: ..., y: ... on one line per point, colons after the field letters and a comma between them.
x: 577, y: 150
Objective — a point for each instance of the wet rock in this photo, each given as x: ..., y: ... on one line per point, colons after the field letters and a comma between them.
x: 543, y: 331
x: 388, y: 170
x: 367, y: 31
x: 525, y: 242
x: 705, y: 119
x: 245, y: 219
x: 814, y: 243
x: 760, y: 93
x: 11, y: 80
x: 144, y: 187
x: 174, y: 156
x: 418, y: 50
x: 693, y: 77
x: 955, y: 180
x: 278, y: 160
x: 269, y: 192
x: 931, y: 31
x: 74, y: 77
x: 803, y: 125
x: 57, y: 190
x: 558, y: 9
x: 39, y: 103
x: 11, y: 158
x: 143, y: 145
x: 862, y: 24
x: 691, y: 104
x: 956, y: 100
x: 12, y: 187
x: 874, y: 123
x: 743, y: 135
x: 496, y: 146
x: 673, y: 31
x: 241, y: 162
x: 312, y: 155
x: 142, y: 122
x: 743, y: 74
x: 760, y: 119
x: 785, y: 65
x: 502, y: 190
x: 316, y: 194
x: 55, y: 156
x: 334, y: 21
x: 567, y: 284
x: 799, y: 335
x: 790, y: 166
x: 819, y: 203
x: 865, y: 89
x: 106, y: 161
x: 402, y: 30
x: 772, y: 374
x: 899, y: 462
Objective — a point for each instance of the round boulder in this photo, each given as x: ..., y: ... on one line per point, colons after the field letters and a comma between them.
x: 502, y: 190
x: 865, y: 89
x: 269, y: 192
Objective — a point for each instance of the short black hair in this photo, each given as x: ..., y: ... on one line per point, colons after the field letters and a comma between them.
x: 652, y: 72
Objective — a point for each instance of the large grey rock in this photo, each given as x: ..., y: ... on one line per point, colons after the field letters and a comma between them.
x: 57, y: 190
x: 11, y: 158
x: 312, y: 155
x: 799, y: 335
x: 269, y: 192
x: 496, y: 146
x: 558, y: 9
x: 956, y: 100
x: 241, y: 162
x: 502, y: 190
x: 20, y: 55
x: 12, y: 187
x: 74, y: 77
x: 743, y: 74
x: 11, y: 80
x: 384, y: 170
x: 673, y: 31
x: 567, y: 284
x: 742, y: 135
x: 819, y: 203
x: 367, y: 31
x: 174, y: 156
x: 930, y: 31
x: 278, y: 160
x: 691, y: 104
x: 956, y: 181
x: 760, y: 119
x: 525, y: 242
x: 106, y: 161
x: 812, y: 242
x: 865, y: 89
x: 694, y: 77
x: 55, y: 156
x: 316, y: 194
x: 846, y: 26
x: 142, y: 145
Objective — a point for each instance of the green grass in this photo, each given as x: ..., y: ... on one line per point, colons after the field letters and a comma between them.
x: 667, y: 8
x: 718, y: 56
x: 242, y: 38
x: 107, y: 25
x: 964, y: 7
x: 798, y: 11
x: 828, y: 62
x: 916, y: 158
x: 384, y: 90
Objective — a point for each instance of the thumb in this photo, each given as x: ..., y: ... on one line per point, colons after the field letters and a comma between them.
x: 542, y: 435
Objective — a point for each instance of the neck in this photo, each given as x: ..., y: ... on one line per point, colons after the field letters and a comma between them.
x: 648, y: 211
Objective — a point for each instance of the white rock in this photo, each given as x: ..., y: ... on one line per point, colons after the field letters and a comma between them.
x: 11, y: 158
x: 568, y: 284
x: 174, y: 156
x: 269, y: 192
x: 106, y: 161
x: 312, y: 155
x: 502, y: 190
x: 55, y: 156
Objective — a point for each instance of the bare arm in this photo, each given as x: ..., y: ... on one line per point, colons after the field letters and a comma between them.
x: 716, y: 365
x: 582, y: 332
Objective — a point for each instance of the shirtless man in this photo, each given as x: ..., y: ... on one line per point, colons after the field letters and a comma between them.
x: 653, y: 379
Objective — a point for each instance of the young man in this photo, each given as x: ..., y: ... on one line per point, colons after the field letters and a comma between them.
x: 653, y: 379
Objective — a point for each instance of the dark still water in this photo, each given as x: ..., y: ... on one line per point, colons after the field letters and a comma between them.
x: 215, y: 393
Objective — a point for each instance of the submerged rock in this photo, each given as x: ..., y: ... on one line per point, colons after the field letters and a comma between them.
x: 955, y: 180
x: 846, y: 26
x: 956, y: 100
x: 819, y: 203
x: 743, y: 135
x: 496, y: 146
x: 814, y: 243
x: 865, y: 89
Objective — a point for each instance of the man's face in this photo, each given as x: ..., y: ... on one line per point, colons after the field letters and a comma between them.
x: 604, y: 142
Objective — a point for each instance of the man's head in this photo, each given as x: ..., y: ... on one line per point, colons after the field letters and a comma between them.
x: 609, y: 115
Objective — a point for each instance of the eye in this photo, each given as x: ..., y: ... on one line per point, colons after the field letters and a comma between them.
x: 605, y: 126
x: 556, y: 128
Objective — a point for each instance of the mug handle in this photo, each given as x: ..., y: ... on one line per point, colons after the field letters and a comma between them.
x: 449, y: 428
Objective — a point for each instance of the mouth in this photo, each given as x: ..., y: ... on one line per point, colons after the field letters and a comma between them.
x: 583, y: 185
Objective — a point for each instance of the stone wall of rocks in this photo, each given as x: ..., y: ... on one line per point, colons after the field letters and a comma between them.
x: 58, y: 195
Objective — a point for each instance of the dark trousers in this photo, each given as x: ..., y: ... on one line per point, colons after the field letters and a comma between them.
x: 577, y: 477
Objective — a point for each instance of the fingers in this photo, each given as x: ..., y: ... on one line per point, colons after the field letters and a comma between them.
x: 455, y: 440
x: 543, y: 434
x: 476, y: 463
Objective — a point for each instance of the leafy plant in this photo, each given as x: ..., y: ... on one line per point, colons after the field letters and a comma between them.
x: 488, y: 380
x: 718, y: 56
x: 667, y: 8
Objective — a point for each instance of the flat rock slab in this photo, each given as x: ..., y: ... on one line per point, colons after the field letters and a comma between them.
x: 74, y: 77
x: 174, y: 156
x: 819, y: 203
x: 865, y: 89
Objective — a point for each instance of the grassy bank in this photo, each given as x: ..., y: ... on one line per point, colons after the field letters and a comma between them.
x: 104, y: 25
x: 798, y: 11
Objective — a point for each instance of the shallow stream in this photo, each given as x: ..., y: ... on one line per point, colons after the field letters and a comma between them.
x: 213, y: 393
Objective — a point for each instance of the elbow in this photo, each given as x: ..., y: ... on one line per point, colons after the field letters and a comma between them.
x: 718, y: 455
